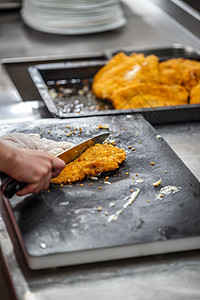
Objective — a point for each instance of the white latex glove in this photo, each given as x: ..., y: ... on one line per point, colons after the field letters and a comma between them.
x: 33, y: 141
x: 34, y: 167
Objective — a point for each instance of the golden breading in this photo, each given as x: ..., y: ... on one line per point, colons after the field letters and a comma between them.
x: 137, y: 81
x: 96, y: 159
x: 123, y: 70
x: 195, y: 94
x: 149, y: 95
x: 181, y: 71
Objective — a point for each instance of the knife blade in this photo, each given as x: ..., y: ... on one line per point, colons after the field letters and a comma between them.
x: 76, y: 151
x: 11, y: 186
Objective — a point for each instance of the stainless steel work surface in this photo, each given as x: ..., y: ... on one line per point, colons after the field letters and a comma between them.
x: 142, y: 29
x: 19, y: 43
x: 172, y: 276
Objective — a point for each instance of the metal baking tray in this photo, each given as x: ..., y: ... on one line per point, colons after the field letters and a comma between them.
x: 65, y: 88
x: 17, y: 69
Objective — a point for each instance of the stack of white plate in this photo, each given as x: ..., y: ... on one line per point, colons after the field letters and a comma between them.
x: 73, y: 16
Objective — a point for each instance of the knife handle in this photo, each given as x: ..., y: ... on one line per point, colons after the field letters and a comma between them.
x: 10, y: 186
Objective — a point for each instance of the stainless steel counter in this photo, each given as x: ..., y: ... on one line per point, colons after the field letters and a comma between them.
x: 174, y: 276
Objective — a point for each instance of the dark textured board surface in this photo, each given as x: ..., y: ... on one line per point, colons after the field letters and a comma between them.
x: 66, y: 218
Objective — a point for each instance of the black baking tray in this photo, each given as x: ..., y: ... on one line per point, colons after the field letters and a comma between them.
x: 65, y: 87
x: 163, y: 53
x: 63, y: 226
x: 17, y: 69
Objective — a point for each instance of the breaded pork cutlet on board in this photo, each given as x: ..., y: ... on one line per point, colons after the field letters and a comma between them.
x: 96, y: 159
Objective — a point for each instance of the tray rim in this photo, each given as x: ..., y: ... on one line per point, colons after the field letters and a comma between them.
x: 110, y: 52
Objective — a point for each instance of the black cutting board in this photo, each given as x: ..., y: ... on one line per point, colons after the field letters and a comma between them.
x: 63, y: 226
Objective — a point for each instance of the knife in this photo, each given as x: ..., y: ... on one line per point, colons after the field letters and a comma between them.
x: 11, y: 186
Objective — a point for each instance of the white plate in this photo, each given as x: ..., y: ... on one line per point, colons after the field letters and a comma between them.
x: 74, y: 4
x: 73, y: 16
x: 35, y: 24
x: 109, y: 12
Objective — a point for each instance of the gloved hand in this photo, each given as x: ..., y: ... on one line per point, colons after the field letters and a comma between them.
x: 20, y: 160
x: 33, y: 141
x: 33, y: 167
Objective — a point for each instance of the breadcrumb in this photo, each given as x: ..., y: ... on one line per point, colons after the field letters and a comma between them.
x: 157, y: 183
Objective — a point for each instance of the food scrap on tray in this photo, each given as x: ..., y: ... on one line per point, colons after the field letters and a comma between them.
x: 97, y: 159
x: 137, y: 81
